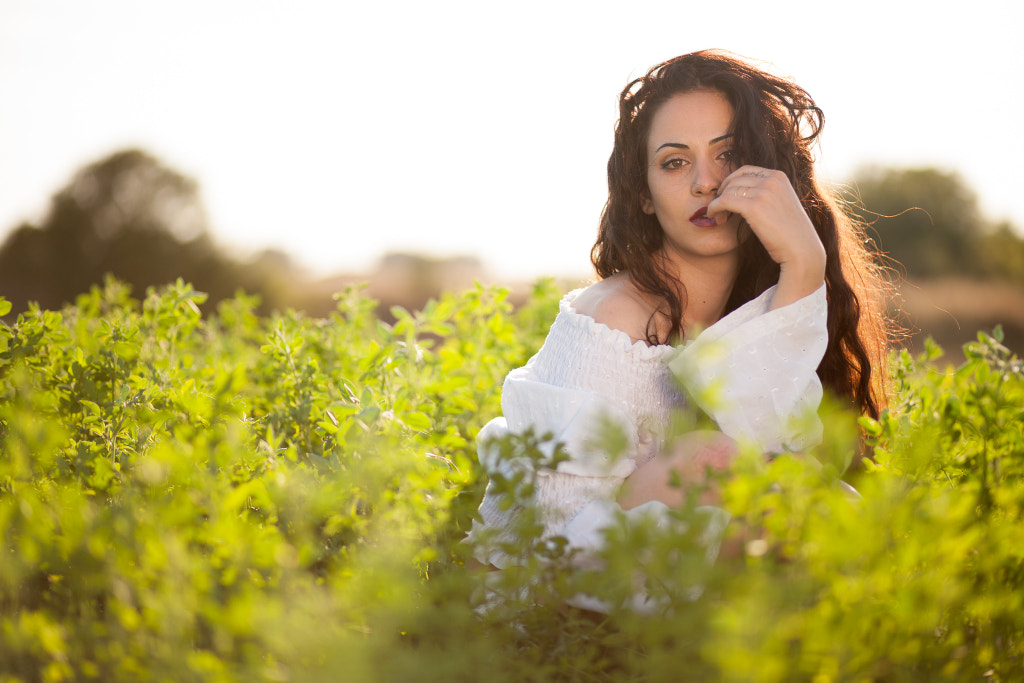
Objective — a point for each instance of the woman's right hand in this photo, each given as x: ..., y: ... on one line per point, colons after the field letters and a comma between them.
x: 691, y: 457
x: 767, y: 201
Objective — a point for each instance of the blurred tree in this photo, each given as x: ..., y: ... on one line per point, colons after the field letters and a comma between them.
x: 1002, y: 253
x: 926, y: 219
x: 129, y: 215
x: 966, y: 271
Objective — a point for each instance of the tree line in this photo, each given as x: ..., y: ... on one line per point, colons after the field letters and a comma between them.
x: 132, y: 216
x: 929, y: 222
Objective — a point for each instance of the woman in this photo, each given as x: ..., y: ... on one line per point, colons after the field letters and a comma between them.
x: 724, y: 267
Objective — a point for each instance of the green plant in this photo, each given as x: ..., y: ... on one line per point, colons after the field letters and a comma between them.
x: 230, y: 497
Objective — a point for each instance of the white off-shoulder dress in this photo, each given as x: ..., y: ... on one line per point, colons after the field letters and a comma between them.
x: 755, y: 367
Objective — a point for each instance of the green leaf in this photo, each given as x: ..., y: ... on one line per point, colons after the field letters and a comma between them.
x: 416, y: 420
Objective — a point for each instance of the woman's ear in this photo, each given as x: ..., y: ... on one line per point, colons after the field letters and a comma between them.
x: 646, y: 204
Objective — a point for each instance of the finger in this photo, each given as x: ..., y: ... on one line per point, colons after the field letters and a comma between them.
x: 748, y: 177
x: 738, y: 188
x: 733, y: 199
x: 715, y: 208
x: 747, y: 172
x: 746, y: 182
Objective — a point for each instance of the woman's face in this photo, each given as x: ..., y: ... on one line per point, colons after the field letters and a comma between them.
x: 689, y: 154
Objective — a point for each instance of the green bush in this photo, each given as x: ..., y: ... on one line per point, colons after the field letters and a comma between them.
x: 283, y: 499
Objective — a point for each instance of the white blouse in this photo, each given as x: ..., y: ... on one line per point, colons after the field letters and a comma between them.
x: 753, y: 372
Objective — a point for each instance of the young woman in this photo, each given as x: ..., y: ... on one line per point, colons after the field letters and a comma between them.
x: 724, y: 267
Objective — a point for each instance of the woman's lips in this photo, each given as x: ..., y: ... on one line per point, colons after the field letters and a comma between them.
x: 701, y: 220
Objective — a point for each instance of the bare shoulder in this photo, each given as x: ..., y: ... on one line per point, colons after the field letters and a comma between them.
x: 615, y: 302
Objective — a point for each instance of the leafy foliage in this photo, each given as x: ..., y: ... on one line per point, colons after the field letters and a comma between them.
x: 231, y: 497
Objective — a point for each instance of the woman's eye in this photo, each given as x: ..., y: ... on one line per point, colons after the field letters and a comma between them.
x: 728, y: 156
x: 672, y: 164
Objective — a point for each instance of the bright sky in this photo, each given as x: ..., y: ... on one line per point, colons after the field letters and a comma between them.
x: 341, y: 130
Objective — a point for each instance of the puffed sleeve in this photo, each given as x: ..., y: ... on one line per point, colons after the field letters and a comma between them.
x: 755, y: 371
x: 580, y: 420
x: 601, y: 442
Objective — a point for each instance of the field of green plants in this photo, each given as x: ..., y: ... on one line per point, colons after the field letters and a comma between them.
x: 226, y: 497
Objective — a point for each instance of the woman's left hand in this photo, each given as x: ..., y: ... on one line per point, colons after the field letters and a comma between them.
x: 766, y: 200
x: 692, y: 456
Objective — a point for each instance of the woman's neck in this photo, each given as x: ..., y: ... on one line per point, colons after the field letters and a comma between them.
x: 708, y: 283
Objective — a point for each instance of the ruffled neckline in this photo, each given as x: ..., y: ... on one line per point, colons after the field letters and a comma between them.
x: 623, y: 342
x: 617, y: 338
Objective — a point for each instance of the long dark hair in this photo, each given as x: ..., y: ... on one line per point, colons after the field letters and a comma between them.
x: 774, y: 125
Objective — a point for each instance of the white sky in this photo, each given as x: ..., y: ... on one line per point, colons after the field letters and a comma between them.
x: 341, y: 130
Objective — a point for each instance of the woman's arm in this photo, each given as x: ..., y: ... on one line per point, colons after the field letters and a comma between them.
x: 767, y: 201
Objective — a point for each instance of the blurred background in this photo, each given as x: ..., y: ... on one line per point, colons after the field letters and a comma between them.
x: 289, y: 149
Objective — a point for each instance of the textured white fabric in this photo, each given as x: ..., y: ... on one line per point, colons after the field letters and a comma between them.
x: 753, y: 372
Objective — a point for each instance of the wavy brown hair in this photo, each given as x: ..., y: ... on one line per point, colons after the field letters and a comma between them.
x: 775, y: 122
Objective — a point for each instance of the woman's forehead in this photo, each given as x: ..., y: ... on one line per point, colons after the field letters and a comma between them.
x: 691, y: 118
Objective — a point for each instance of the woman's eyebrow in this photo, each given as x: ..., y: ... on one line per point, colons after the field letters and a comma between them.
x: 679, y: 145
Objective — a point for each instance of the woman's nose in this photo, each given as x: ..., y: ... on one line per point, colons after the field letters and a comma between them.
x: 706, y: 180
